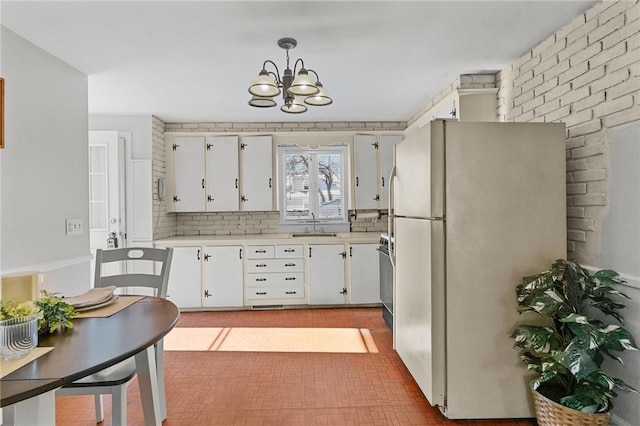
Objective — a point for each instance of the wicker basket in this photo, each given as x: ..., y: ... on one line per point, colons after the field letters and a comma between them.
x: 550, y: 413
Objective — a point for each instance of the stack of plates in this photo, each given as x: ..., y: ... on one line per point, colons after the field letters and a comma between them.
x: 93, y: 299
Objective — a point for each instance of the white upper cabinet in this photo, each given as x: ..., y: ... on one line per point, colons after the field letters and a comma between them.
x: 366, y: 171
x: 373, y: 164
x: 219, y: 173
x: 257, y: 173
x: 188, y: 193
x: 222, y: 183
x: 387, y: 142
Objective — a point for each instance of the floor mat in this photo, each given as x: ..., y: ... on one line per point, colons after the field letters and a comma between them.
x: 270, y: 339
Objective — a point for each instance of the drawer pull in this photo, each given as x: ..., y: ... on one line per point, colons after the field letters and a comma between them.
x: 261, y: 251
x: 290, y: 279
x: 290, y: 292
x: 261, y: 265
x: 290, y: 264
x: 261, y: 293
x: 289, y: 250
x: 261, y: 279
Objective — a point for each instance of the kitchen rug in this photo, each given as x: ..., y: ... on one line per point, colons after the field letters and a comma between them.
x: 270, y: 339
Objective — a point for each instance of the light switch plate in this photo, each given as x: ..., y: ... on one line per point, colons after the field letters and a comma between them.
x: 74, y: 226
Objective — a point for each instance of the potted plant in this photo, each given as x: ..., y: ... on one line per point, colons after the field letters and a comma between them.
x: 52, y: 312
x: 568, y: 349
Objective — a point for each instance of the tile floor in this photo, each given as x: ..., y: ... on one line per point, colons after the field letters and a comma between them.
x: 244, y: 388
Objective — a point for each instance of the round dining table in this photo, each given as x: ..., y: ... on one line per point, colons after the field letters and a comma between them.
x: 27, y: 395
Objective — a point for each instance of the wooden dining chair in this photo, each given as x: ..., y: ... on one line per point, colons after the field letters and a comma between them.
x: 114, y: 380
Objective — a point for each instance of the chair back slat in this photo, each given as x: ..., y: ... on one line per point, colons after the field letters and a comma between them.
x: 159, y: 282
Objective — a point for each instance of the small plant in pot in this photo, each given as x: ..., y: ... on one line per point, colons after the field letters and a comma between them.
x: 568, y: 350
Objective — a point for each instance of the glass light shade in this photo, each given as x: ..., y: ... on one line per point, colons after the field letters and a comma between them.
x: 262, y: 102
x: 319, y: 99
x: 303, y: 84
x: 264, y: 85
x: 296, y: 107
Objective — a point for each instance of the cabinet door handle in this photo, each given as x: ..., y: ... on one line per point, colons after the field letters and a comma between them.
x: 290, y: 292
x: 269, y: 182
x: 357, y: 181
x: 261, y: 279
x: 383, y: 181
x: 309, y: 251
x: 261, y: 251
x: 261, y: 265
x: 202, y: 183
x: 290, y: 279
x: 290, y: 264
x: 198, y: 254
x: 261, y: 293
x: 350, y: 251
x: 240, y: 254
x: 289, y: 250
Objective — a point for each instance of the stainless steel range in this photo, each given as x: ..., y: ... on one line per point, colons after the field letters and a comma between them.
x: 386, y: 278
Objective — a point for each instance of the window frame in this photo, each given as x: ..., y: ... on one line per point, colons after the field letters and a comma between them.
x: 338, y: 224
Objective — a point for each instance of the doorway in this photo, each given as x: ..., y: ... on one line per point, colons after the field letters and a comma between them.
x: 107, y: 207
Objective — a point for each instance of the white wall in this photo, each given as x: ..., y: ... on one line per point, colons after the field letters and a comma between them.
x: 138, y: 125
x: 44, y: 166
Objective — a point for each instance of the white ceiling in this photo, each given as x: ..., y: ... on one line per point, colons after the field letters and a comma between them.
x: 193, y: 61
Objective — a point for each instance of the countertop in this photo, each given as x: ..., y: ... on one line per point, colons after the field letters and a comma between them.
x: 257, y: 239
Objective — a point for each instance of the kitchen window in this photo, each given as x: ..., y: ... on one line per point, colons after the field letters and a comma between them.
x: 313, y: 188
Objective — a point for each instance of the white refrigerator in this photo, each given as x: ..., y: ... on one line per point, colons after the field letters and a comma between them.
x: 476, y: 206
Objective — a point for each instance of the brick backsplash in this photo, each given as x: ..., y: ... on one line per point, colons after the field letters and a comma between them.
x: 252, y: 223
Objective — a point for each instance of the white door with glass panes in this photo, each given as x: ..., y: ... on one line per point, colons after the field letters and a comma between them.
x: 256, y: 156
x: 185, y: 277
x: 387, y: 142
x: 326, y: 274
x: 366, y: 172
x: 364, y: 273
x: 106, y: 195
x: 189, y: 175
x: 222, y: 183
x: 224, y: 285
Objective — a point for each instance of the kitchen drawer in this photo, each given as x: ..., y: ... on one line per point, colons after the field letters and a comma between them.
x: 294, y: 250
x: 275, y: 293
x: 275, y: 265
x: 260, y: 252
x: 275, y: 279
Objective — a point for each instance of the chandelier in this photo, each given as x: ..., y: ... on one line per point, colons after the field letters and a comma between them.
x: 296, y: 92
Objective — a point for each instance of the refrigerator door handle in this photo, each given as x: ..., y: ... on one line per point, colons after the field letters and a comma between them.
x: 390, y: 217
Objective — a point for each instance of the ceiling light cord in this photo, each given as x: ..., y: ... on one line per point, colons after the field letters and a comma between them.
x: 297, y: 87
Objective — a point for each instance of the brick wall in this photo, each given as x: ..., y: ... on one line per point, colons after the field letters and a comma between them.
x: 242, y: 223
x: 164, y: 224
x: 586, y: 75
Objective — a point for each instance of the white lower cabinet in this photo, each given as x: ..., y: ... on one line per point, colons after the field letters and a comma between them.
x: 279, y: 273
x: 327, y: 274
x: 274, y: 275
x: 223, y: 285
x: 185, y: 277
x: 364, y: 273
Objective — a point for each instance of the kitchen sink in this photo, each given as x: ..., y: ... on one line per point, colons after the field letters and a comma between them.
x: 314, y: 234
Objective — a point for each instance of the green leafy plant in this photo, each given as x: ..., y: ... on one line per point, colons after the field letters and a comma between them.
x: 52, y: 312
x: 568, y: 351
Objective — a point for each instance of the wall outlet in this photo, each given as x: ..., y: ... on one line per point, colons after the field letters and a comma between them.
x: 74, y: 226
